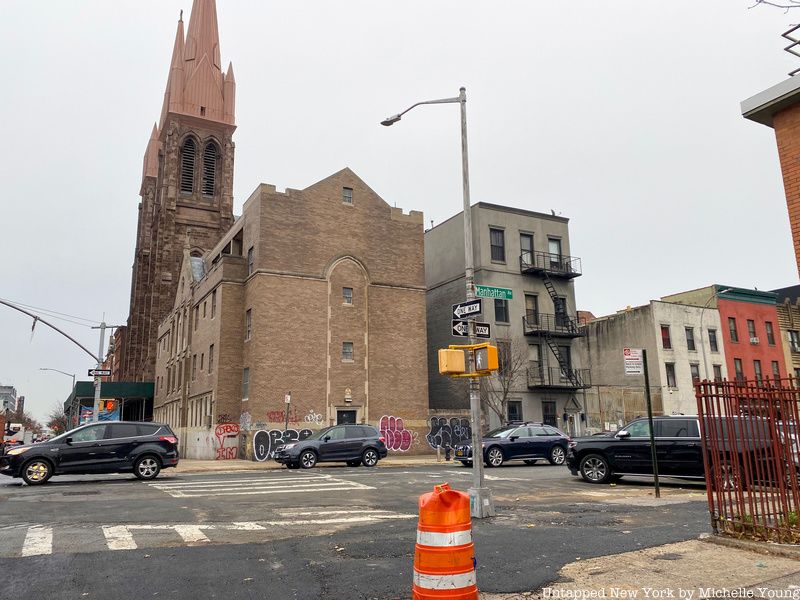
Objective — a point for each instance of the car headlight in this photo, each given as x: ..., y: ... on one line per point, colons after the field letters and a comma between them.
x: 16, y: 451
x: 289, y: 446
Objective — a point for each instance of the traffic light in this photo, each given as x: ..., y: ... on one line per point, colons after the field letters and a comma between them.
x: 110, y: 405
x: 451, y: 362
x: 486, y: 359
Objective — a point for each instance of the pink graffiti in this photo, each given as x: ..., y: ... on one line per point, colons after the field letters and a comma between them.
x: 223, y: 431
x: 397, y: 436
x: 227, y: 453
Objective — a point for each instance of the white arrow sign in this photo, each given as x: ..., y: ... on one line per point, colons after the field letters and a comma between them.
x: 465, y: 309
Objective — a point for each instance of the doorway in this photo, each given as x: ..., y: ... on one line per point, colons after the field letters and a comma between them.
x: 345, y: 417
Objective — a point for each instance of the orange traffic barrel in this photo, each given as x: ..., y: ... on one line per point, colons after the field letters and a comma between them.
x: 444, y: 559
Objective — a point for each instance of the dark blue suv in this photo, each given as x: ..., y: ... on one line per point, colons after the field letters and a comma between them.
x: 519, y: 441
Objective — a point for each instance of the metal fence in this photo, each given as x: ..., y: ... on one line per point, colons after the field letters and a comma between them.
x: 751, y: 451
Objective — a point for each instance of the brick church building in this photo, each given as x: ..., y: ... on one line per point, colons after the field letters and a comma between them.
x: 187, y: 182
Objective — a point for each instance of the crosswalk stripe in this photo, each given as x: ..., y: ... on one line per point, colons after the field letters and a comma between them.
x: 191, y: 534
x: 276, y: 491
x: 38, y: 540
x: 266, y: 485
x: 119, y: 537
x: 206, y: 482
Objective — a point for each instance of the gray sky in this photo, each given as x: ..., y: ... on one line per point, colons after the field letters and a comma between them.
x: 623, y: 116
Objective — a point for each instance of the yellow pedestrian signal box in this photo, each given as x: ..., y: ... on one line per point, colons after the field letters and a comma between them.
x: 452, y: 362
x: 486, y: 359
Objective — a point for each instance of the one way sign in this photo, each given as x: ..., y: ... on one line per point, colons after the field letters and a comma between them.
x: 468, y: 308
x: 461, y: 329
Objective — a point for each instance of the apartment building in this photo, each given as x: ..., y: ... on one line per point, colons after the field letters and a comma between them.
x: 533, y: 321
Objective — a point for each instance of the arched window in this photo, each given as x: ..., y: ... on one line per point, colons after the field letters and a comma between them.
x: 187, y: 166
x: 209, y: 169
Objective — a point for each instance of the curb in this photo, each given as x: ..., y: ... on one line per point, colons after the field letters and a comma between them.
x: 769, y: 548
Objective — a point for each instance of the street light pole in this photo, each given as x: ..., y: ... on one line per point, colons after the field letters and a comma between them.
x: 481, y: 503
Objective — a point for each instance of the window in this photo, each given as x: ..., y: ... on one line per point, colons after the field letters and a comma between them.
x: 196, y: 316
x: 671, y: 428
x: 526, y: 248
x: 187, y: 166
x: 515, y: 410
x: 794, y: 340
x: 732, y: 328
x: 695, y: 370
x: 770, y: 333
x: 776, y: 371
x: 717, y: 372
x: 497, y: 240
x: 347, y: 195
x: 532, y: 310
x: 194, y: 367
x: 737, y: 367
x: 204, y: 309
x: 347, y: 351
x: 666, y: 342
x: 250, y: 263
x: 797, y: 377
x: 670, y: 368
x: 347, y: 295
x: 211, y: 358
x: 751, y: 329
x: 560, y: 310
x: 245, y: 383
x: 500, y: 311
x: 209, y: 169
x: 757, y: 369
x: 504, y: 357
x: 639, y: 429
x: 549, y: 412
x: 90, y: 434
x: 690, y: 338
x: 248, y: 324
x: 566, y: 356
x: 202, y: 360
x: 213, y: 303
x: 712, y: 340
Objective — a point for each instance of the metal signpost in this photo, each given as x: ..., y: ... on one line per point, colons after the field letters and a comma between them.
x: 287, y: 398
x: 635, y: 360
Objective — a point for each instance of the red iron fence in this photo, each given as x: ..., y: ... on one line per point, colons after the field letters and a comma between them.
x: 751, y: 450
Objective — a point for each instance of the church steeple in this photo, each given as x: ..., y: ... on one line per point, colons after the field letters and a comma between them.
x: 173, y: 95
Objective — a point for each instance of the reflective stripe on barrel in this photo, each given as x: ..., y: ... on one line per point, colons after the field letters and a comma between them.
x: 444, y: 582
x: 453, y: 538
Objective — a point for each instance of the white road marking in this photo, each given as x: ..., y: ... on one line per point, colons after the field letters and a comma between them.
x: 212, y: 482
x: 494, y: 478
x: 38, y: 540
x: 191, y: 534
x: 257, y: 486
x: 119, y: 537
x: 276, y: 491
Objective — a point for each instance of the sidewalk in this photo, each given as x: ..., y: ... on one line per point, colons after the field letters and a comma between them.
x: 191, y: 465
x: 686, y: 570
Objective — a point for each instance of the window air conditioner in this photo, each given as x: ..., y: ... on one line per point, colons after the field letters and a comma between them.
x: 753, y: 340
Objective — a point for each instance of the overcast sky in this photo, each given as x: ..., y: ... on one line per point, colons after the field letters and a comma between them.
x: 623, y: 116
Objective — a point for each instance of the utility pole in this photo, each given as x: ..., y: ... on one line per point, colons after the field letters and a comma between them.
x: 97, y: 383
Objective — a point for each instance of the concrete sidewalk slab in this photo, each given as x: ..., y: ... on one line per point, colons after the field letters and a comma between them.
x: 686, y: 570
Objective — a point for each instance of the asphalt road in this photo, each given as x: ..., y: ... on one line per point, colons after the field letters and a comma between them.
x: 329, y: 533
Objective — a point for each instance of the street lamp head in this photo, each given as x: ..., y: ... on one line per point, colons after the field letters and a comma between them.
x: 390, y: 120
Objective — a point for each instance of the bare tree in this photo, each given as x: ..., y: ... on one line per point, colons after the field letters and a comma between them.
x: 57, y: 420
x: 784, y: 4
x: 496, y: 389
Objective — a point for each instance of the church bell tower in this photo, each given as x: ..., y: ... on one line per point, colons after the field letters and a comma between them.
x: 187, y: 181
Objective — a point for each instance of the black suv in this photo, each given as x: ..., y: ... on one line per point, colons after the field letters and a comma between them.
x: 108, y: 447
x: 353, y: 444
x: 519, y: 441
x: 679, y: 449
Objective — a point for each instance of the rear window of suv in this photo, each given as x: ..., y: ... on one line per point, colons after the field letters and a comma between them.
x: 670, y: 428
x: 122, y: 430
x: 148, y: 429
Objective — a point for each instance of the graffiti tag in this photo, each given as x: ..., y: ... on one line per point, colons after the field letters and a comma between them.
x: 313, y: 417
x: 398, y: 438
x: 227, y: 431
x: 444, y: 432
x: 266, y: 442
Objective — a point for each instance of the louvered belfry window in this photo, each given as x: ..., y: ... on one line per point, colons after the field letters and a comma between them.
x: 209, y: 169
x: 187, y: 166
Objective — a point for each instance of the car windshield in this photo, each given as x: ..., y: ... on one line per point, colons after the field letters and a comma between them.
x: 502, y: 432
x: 320, y: 434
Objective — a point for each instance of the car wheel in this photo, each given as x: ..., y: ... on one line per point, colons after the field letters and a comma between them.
x: 557, y: 455
x: 308, y: 459
x: 37, y: 471
x: 594, y: 469
x: 354, y: 463
x: 147, y: 467
x: 369, y: 458
x: 530, y: 462
x: 494, y: 457
x: 466, y: 463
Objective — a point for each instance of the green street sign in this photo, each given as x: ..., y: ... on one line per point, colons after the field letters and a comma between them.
x: 485, y: 291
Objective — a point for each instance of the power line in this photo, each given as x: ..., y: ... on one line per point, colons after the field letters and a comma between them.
x: 56, y: 314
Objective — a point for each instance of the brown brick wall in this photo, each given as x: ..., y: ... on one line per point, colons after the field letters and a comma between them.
x: 787, y: 134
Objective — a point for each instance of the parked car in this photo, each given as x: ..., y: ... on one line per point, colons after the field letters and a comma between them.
x: 109, y: 447
x: 528, y: 442
x: 679, y: 449
x: 353, y: 444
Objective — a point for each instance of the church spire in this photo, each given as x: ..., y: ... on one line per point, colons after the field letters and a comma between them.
x: 174, y: 92
x: 203, y: 35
